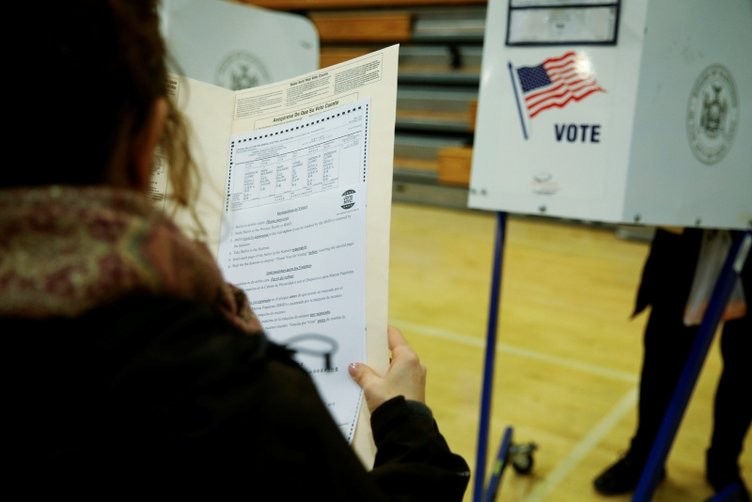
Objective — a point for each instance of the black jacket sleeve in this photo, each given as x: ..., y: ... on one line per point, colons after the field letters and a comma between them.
x: 413, y: 461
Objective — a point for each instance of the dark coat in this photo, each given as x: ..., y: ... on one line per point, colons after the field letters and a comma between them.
x: 163, y: 393
x: 669, y: 270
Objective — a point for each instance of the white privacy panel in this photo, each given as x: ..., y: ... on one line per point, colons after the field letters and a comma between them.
x: 637, y: 111
x: 238, y: 46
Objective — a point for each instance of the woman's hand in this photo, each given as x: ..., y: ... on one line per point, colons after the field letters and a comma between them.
x: 406, y: 375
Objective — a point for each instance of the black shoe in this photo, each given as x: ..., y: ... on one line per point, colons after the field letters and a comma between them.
x: 735, y: 492
x: 722, y: 471
x: 621, y: 477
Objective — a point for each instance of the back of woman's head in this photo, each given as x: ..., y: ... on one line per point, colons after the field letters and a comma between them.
x: 94, y: 70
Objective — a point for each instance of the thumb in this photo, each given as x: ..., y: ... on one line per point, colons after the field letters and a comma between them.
x: 361, y: 373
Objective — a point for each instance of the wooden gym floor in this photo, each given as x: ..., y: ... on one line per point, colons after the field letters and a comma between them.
x: 567, y: 356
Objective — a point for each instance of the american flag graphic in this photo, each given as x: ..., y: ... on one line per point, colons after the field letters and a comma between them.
x: 556, y: 82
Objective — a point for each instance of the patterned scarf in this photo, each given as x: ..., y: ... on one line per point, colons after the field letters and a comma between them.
x: 66, y: 250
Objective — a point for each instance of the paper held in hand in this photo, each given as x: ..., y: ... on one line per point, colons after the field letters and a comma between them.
x: 296, y: 200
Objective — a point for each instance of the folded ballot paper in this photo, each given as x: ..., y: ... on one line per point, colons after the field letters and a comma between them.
x: 296, y: 185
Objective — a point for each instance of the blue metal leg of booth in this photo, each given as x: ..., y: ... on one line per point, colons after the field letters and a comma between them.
x: 488, y: 366
x: 500, y: 465
x: 719, y: 297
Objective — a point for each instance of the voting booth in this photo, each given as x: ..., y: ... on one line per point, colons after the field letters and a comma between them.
x: 619, y: 111
x: 238, y: 46
x: 633, y: 111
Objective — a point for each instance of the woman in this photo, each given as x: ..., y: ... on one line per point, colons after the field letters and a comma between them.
x: 133, y: 363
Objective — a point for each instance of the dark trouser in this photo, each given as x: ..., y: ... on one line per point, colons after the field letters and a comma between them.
x: 667, y: 343
x: 733, y: 398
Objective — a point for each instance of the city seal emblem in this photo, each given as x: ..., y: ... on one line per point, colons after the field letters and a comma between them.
x: 241, y: 70
x: 712, y: 114
x: 348, y: 199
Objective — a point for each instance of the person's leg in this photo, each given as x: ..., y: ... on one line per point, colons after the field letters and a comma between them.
x: 666, y: 344
x: 664, y: 286
x: 732, y: 412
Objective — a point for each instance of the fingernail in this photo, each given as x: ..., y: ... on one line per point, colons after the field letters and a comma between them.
x: 352, y: 368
